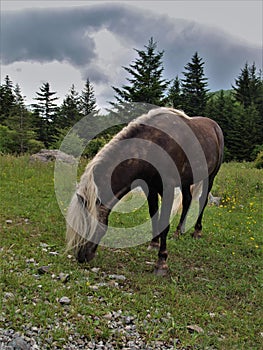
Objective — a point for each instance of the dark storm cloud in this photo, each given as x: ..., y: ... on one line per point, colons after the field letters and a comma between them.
x: 66, y: 35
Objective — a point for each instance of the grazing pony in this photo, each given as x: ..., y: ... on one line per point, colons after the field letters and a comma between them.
x: 163, y: 149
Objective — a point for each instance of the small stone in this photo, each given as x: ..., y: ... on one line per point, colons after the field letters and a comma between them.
x: 31, y: 261
x: 118, y: 277
x: 95, y: 269
x: 44, y: 245
x: 53, y: 253
x: 129, y: 319
x: 64, y: 301
x: 194, y: 328
x: 108, y: 316
x: 43, y: 269
x: 9, y: 222
x: 9, y: 295
x: 64, y: 277
x: 18, y: 344
x: 94, y: 287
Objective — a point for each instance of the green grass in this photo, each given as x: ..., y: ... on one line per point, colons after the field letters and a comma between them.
x: 215, y: 282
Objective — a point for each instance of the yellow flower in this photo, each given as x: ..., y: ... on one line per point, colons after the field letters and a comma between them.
x: 252, y: 238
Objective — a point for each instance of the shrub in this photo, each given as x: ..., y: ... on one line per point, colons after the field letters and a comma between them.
x: 259, y: 160
x: 8, y: 143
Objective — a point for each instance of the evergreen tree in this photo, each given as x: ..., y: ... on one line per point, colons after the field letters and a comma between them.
x: 45, y: 112
x: 248, y: 89
x: 20, y: 121
x: 88, y: 102
x: 249, y: 93
x: 7, y: 100
x: 174, y: 98
x: 194, y: 87
x: 222, y: 108
x: 69, y: 112
x: 146, y: 84
x: 240, y: 126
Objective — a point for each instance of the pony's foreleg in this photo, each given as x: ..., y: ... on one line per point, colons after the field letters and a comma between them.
x: 154, y: 214
x: 186, y: 201
x: 164, y: 225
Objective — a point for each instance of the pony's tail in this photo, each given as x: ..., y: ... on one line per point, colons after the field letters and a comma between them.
x: 196, y: 190
x: 177, y: 203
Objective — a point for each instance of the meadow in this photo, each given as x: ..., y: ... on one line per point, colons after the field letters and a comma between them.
x: 211, y: 299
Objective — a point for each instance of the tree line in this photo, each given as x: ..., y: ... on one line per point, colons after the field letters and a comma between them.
x: 238, y: 111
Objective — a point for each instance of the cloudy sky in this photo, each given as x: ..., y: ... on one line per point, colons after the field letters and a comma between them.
x: 64, y: 42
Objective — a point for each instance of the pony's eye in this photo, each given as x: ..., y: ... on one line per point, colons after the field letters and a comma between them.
x: 98, y: 201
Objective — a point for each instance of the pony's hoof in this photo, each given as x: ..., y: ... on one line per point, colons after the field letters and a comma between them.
x: 197, y: 234
x: 161, y: 272
x: 153, y: 245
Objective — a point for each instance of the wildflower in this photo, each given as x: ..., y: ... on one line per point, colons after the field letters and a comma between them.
x: 252, y: 238
x: 256, y: 246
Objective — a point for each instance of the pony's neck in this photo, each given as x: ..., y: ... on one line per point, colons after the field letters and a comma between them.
x: 113, y: 184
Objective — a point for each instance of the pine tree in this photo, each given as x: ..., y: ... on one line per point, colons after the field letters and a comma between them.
x: 45, y: 111
x: 88, y: 101
x: 222, y: 108
x: 7, y: 99
x: 174, y: 98
x: 146, y: 84
x: 249, y: 93
x: 194, y: 87
x: 248, y: 89
x: 70, y: 110
x: 20, y: 121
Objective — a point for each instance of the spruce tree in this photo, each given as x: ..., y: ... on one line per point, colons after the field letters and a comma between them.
x: 20, y: 121
x: 248, y: 91
x: 88, y: 102
x: 7, y: 99
x: 248, y: 87
x: 45, y: 112
x: 69, y: 112
x: 174, y: 98
x: 194, y: 87
x: 146, y: 83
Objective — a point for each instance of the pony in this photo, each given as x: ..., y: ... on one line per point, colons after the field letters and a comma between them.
x: 163, y: 149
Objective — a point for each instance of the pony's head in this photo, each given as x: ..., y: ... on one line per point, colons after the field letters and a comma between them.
x: 85, y: 219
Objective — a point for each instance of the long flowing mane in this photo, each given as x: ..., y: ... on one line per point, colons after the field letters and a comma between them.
x: 82, y: 217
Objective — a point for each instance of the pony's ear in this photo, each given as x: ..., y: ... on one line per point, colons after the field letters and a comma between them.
x: 82, y: 200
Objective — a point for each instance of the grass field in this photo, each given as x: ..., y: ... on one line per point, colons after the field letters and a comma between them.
x: 215, y: 283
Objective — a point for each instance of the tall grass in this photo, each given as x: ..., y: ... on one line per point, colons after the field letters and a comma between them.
x: 215, y: 282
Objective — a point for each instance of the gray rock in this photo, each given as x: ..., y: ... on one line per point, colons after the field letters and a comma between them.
x: 47, y: 155
x: 19, y: 344
x: 64, y: 301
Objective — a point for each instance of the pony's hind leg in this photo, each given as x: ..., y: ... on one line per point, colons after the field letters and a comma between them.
x: 202, y: 204
x: 187, y: 198
x: 154, y: 214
